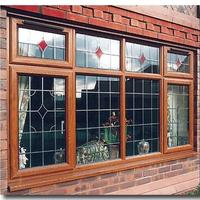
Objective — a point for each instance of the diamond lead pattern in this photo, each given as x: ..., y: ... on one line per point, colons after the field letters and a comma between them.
x: 142, y: 59
x: 178, y: 63
x: 42, y: 45
x: 99, y: 52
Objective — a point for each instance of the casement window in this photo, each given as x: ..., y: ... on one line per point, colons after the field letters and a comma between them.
x: 82, y: 102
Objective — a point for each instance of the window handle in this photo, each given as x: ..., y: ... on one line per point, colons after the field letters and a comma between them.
x: 62, y: 126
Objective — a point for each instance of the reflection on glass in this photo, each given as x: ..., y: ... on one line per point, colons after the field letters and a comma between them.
x: 178, y: 63
x: 142, y: 58
x: 142, y: 116
x: 97, y: 52
x: 97, y: 118
x: 33, y: 43
x: 178, y: 115
x: 41, y: 121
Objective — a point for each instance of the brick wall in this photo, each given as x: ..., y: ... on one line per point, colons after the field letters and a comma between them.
x: 123, y: 21
x: 3, y: 102
x: 116, y: 181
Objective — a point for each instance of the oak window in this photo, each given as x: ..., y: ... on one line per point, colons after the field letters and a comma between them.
x: 87, y: 103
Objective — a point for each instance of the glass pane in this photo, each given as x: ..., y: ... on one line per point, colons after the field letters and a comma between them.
x: 41, y: 120
x: 142, y: 58
x: 142, y: 116
x: 97, y: 124
x: 97, y: 52
x: 41, y: 44
x: 178, y: 63
x: 178, y: 115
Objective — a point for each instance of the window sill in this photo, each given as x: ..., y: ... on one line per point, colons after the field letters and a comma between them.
x: 95, y: 170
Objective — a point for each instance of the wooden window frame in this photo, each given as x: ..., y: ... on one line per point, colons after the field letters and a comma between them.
x: 15, y: 58
x: 179, y: 74
x: 190, y: 144
x: 58, y: 173
x: 43, y: 71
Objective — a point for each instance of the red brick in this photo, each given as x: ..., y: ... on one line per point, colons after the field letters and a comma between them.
x: 76, y: 17
x: 177, y: 166
x: 110, y: 25
x: 189, y: 36
x: 135, y: 16
x: 3, y: 63
x: 3, y: 164
x: 88, y: 12
x: 118, y: 11
x: 3, y: 53
x: 3, y: 144
x: 142, y: 25
x: 165, y: 37
x: 3, y: 155
x: 3, y: 33
x: 100, y: 183
x: 134, y: 22
x: 3, y: 94
x: 32, y: 8
x: 126, y: 185
x: 179, y: 40
x: 191, y: 43
x: 102, y: 8
x: 77, y: 9
x: 3, y: 104
x: 151, y: 34
x: 98, y: 14
x: 150, y: 172
x: 143, y: 181
x: 138, y: 175
x: 125, y: 21
x: 157, y: 28
x: 3, y: 13
x: 135, y: 30
x: 94, y: 192
x: 110, y: 189
x: 164, y: 29
x: 150, y: 26
x: 164, y: 169
x: 179, y: 34
x: 65, y: 7
x: 195, y: 38
x: 3, y: 74
x: 107, y: 16
x: 117, y: 18
x: 53, y: 12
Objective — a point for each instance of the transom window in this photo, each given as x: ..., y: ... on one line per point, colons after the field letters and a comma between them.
x: 142, y: 58
x: 39, y: 44
x: 97, y: 52
x: 178, y: 63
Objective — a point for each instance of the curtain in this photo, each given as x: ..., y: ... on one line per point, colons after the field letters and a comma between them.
x: 23, y: 107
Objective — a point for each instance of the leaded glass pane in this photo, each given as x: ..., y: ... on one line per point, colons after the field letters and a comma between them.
x: 142, y: 116
x: 142, y: 58
x: 178, y: 115
x: 97, y: 118
x: 178, y: 63
x: 40, y: 44
x: 41, y: 121
x: 97, y: 52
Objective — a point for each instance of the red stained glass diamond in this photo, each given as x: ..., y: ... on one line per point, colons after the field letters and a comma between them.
x: 42, y: 45
x: 99, y: 52
x: 142, y: 59
x: 178, y: 63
